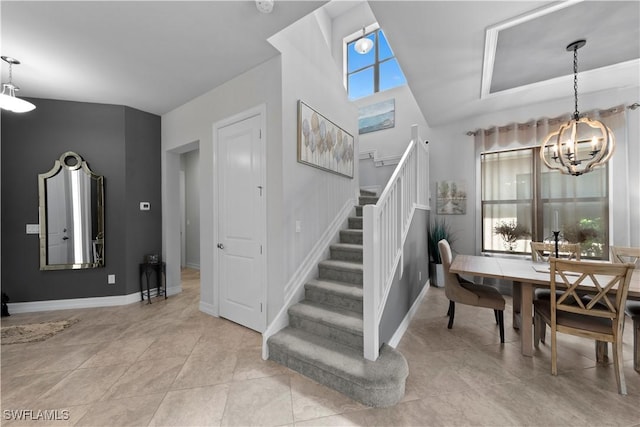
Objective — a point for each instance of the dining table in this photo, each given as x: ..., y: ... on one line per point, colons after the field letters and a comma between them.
x: 525, y: 275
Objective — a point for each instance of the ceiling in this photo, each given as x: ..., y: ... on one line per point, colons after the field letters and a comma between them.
x: 460, y: 58
x: 150, y: 55
x: 441, y: 48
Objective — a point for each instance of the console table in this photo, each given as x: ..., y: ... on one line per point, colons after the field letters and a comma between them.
x: 160, y: 268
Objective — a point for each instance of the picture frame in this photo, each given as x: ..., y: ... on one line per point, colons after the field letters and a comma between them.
x: 451, y: 198
x: 378, y: 116
x: 323, y: 144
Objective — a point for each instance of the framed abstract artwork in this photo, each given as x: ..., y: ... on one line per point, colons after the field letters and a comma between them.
x: 323, y: 144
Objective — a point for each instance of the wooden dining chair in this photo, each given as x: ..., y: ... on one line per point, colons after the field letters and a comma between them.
x: 632, y: 308
x: 541, y: 252
x: 464, y: 292
x: 601, y: 318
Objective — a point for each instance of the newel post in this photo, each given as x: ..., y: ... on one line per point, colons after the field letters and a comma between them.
x: 371, y: 280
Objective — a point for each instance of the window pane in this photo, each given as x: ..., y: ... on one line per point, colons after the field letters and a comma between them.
x: 384, y: 50
x: 517, y: 214
x: 507, y: 175
x: 356, y: 60
x: 361, y: 83
x: 556, y: 185
x: 579, y: 222
x: 391, y: 75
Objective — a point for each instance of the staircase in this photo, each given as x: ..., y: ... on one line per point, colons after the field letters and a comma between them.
x: 324, y: 338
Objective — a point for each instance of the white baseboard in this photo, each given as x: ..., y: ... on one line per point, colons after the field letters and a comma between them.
x: 207, y: 308
x: 66, y: 304
x: 173, y: 290
x: 294, y: 289
x: 404, y: 325
x: 193, y: 265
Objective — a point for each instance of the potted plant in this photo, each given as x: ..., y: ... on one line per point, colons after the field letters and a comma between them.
x: 438, y: 230
x: 511, y: 232
x: 587, y: 232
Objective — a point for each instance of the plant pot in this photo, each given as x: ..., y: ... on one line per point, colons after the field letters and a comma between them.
x: 436, y: 274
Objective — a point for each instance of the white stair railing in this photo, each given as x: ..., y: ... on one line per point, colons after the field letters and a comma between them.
x: 385, y: 227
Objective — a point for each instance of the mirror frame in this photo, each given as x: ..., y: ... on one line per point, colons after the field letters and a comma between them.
x: 42, y: 212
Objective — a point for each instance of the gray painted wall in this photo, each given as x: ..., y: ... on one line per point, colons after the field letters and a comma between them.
x: 143, y: 175
x: 120, y: 143
x: 406, y: 289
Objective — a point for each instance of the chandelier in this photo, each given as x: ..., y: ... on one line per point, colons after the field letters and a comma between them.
x: 581, y: 144
x: 8, y: 99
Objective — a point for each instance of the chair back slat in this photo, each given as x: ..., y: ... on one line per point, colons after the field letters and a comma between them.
x: 625, y: 254
x: 609, y: 281
x: 542, y: 251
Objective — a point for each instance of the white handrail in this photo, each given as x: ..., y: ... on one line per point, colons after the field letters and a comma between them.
x: 385, y: 227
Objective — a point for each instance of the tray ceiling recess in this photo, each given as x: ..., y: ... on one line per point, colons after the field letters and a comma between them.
x: 531, y: 48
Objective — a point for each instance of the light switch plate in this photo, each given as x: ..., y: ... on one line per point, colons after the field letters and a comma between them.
x: 145, y: 206
x: 33, y: 228
x: 111, y: 279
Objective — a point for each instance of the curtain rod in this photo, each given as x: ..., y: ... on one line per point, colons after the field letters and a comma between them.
x: 633, y: 106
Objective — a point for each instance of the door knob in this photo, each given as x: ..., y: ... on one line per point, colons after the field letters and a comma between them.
x: 220, y: 246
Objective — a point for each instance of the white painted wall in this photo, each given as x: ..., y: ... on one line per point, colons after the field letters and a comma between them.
x: 190, y: 163
x: 194, y: 122
x: 453, y: 158
x: 295, y: 192
x: 311, y: 196
x: 387, y: 143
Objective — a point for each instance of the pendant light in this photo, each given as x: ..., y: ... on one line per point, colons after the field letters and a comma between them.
x: 364, y: 44
x: 8, y: 99
x: 581, y: 144
x: 265, y: 6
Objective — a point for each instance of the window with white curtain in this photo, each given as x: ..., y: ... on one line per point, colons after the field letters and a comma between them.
x: 518, y: 190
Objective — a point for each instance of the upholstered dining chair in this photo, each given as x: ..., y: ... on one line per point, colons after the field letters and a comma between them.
x: 464, y: 292
x: 632, y: 309
x: 601, y: 318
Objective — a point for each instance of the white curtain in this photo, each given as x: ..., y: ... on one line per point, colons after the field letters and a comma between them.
x: 509, y: 182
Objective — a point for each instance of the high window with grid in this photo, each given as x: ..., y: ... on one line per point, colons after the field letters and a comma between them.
x: 372, y: 72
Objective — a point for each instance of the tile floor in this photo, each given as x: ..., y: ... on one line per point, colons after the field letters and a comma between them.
x: 168, y: 364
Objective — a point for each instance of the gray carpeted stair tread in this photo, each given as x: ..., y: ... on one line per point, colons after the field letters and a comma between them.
x: 352, y: 231
x: 367, y: 200
x: 341, y: 265
x: 346, y: 290
x: 352, y: 247
x: 388, y: 371
x: 368, y: 193
x: 332, y: 316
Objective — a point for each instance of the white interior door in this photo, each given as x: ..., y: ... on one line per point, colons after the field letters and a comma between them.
x: 240, y: 222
